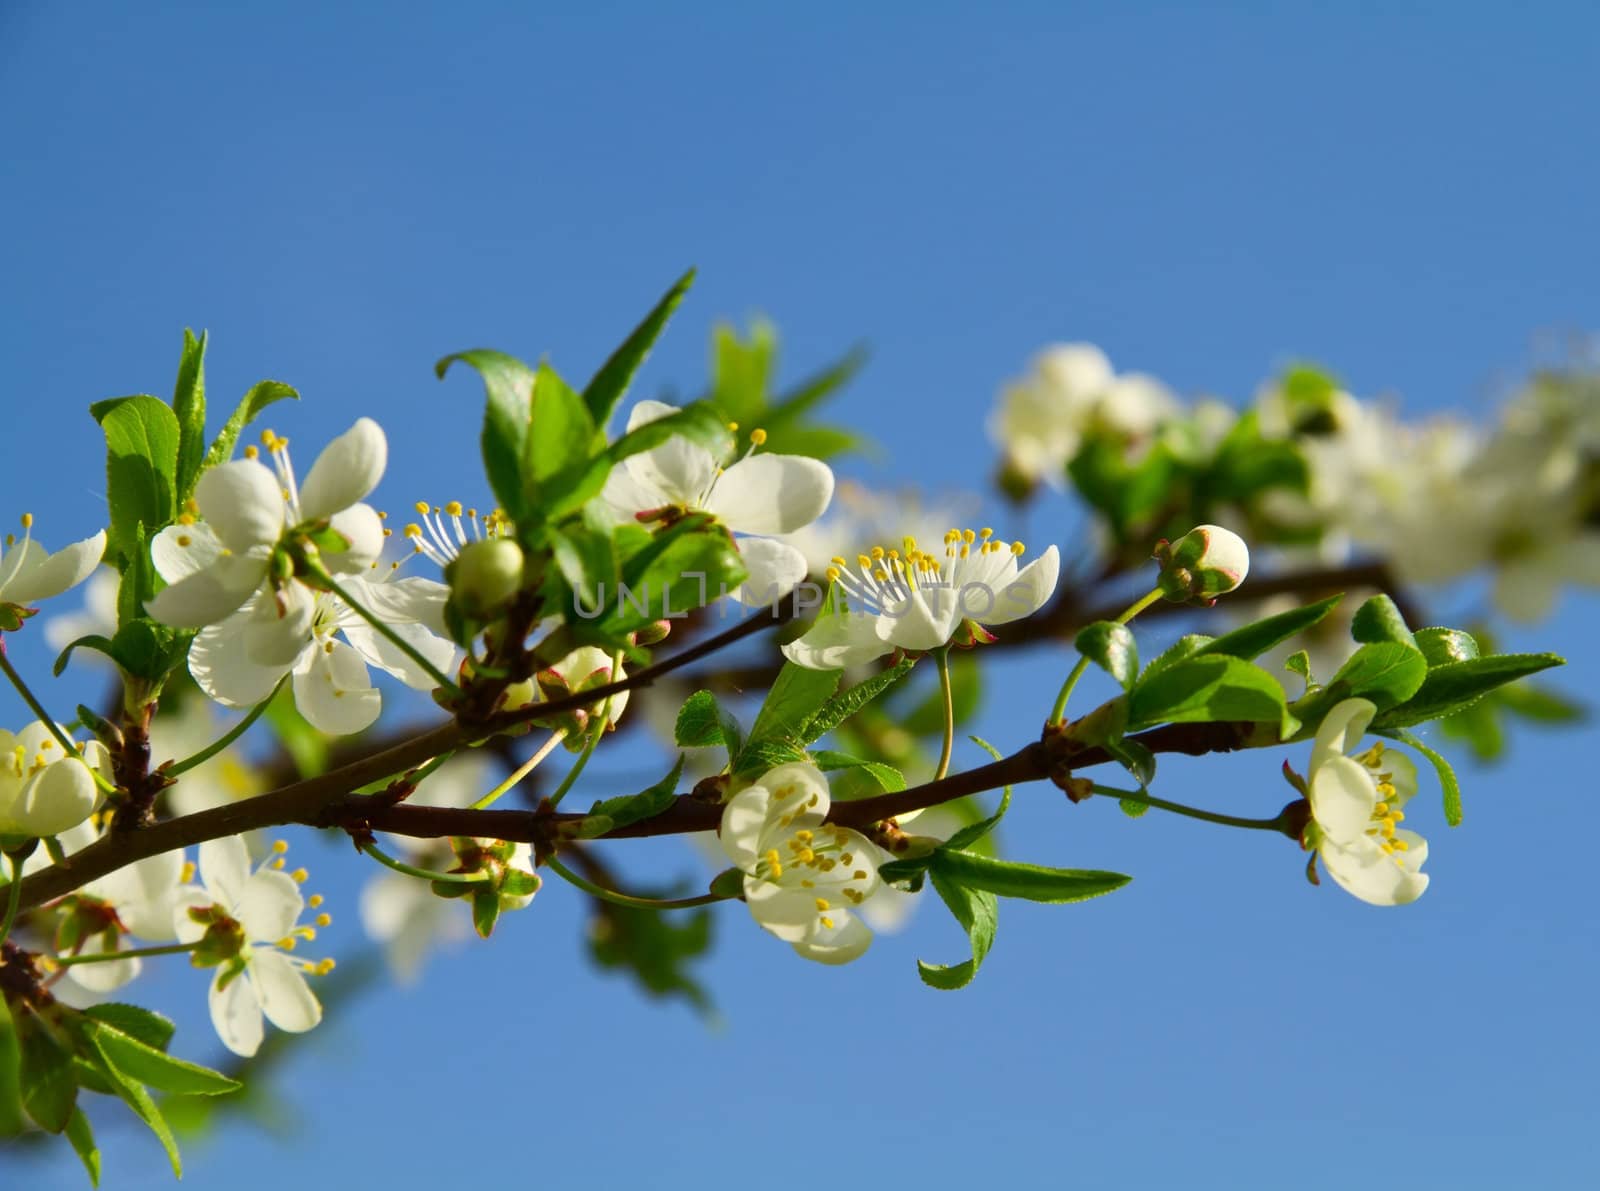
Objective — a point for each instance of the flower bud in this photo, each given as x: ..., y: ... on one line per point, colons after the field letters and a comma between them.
x: 485, y: 576
x: 653, y: 633
x: 1205, y: 563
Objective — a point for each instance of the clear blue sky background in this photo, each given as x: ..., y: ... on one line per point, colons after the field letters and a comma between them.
x: 344, y: 193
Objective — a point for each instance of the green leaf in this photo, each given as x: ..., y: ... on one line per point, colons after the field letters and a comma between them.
x: 1250, y: 641
x: 1542, y: 705
x: 1479, y: 727
x: 1134, y: 810
x: 1184, y: 647
x: 1111, y: 646
x: 794, y: 699
x: 1442, y: 646
x: 49, y: 1092
x: 485, y: 911
x: 978, y: 913
x: 703, y: 722
x: 1450, y: 688
x: 189, y: 404
x: 1207, y: 688
x: 758, y: 756
x: 141, y: 469
x: 587, y: 559
x: 1379, y: 620
x: 261, y: 395
x: 144, y: 1025
x: 681, y: 569
x: 973, y: 832
x: 635, y: 808
x: 1386, y: 672
x: 12, y: 1121
x: 1135, y: 757
x: 602, y: 394
x: 1030, y: 881
x: 132, y: 1094
x: 889, y: 779
x: 655, y: 947
x: 508, y: 384
x: 158, y: 1069
x: 81, y: 1135
x: 556, y: 449
x: 847, y: 702
x: 1441, y: 766
x: 1299, y: 662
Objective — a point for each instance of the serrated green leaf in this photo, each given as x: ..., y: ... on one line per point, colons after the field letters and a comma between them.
x: 261, y: 394
x: 758, y: 756
x: 141, y: 469
x: 1032, y: 882
x: 1447, y: 775
x: 1111, y: 646
x: 144, y: 1025
x: 889, y: 779
x: 158, y: 1069
x: 847, y: 702
x: 1184, y: 647
x: 635, y: 808
x: 1385, y: 672
x: 608, y: 386
x: 189, y: 405
x: 1207, y: 688
x: 132, y: 1093
x: 49, y: 1092
x: 1451, y: 688
x: 793, y: 700
x: 508, y: 387
x: 81, y: 1135
x: 1378, y: 620
x: 703, y: 723
x: 1250, y: 641
x: 978, y: 912
x: 1441, y: 646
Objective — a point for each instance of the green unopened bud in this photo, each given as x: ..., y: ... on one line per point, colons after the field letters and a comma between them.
x: 652, y: 634
x: 485, y: 576
x: 1205, y: 563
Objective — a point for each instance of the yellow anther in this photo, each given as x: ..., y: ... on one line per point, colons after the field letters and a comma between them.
x: 324, y: 966
x: 298, y: 876
x: 1400, y: 845
x: 823, y: 904
x: 860, y: 874
x: 324, y: 919
x: 758, y: 436
x: 733, y: 428
x: 453, y: 508
x: 1017, y: 548
x: 838, y: 562
x: 1396, y: 815
x: 288, y: 942
x: 1380, y: 810
x: 805, y: 835
x: 250, y: 452
x: 422, y: 507
x: 876, y: 552
x: 968, y: 537
x: 807, y: 883
x: 278, y: 863
x: 827, y: 922
x: 280, y: 846
x: 863, y: 562
x: 188, y: 873
x: 185, y: 518
x: 833, y: 574
x: 315, y: 900
x: 27, y: 521
x: 881, y: 575
x: 856, y: 896
x: 804, y: 854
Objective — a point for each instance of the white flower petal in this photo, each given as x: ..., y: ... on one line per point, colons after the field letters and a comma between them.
x: 224, y: 869
x: 236, y: 1014
x: 102, y: 977
x: 788, y: 912
x: 1342, y: 797
x: 629, y: 495
x: 678, y: 472
x: 361, y: 526
x: 333, y: 691
x: 771, y: 493
x: 184, y: 928
x: 286, y: 998
x: 243, y: 504
x: 59, y: 796
x: 1366, y: 871
x: 925, y: 620
x: 181, y: 550
x: 347, y: 470
x: 400, y: 601
x: 268, y: 906
x: 222, y: 665
x: 279, y: 626
x: 774, y: 569
x: 798, y: 789
x: 836, y: 642
x: 41, y: 575
x: 383, y: 653
x: 1028, y: 592
x: 144, y: 894
x: 1341, y: 729
x: 207, y: 597
x: 848, y: 939
x: 744, y: 818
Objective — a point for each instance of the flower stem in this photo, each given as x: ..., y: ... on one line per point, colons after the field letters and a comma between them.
x: 410, y: 870
x: 13, y: 898
x: 596, y: 733
x: 322, y: 576
x: 521, y: 771
x: 1191, y: 812
x: 228, y: 737
x: 48, y: 720
x: 623, y: 899
x: 105, y: 957
x: 1059, y: 711
x: 941, y: 659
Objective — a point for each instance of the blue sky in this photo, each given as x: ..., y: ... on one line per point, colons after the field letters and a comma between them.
x: 342, y: 195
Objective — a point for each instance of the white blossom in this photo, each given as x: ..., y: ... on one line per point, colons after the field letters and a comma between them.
x: 44, y: 790
x: 803, y: 879
x: 30, y: 573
